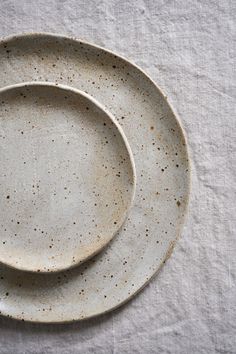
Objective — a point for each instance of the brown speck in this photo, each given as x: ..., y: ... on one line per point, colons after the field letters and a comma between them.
x: 178, y: 203
x: 8, y: 197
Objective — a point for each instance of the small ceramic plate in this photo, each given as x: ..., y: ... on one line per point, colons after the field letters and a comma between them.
x: 159, y: 148
x: 67, y: 179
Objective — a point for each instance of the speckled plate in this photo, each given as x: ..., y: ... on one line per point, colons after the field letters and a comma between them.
x: 67, y: 180
x: 162, y: 189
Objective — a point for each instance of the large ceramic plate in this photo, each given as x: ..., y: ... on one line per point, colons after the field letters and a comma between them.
x: 160, y: 153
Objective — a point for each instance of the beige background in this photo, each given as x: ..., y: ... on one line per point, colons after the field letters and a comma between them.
x: 187, y: 47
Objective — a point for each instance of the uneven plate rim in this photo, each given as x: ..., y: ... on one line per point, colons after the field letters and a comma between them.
x: 127, y: 146
x: 169, y: 251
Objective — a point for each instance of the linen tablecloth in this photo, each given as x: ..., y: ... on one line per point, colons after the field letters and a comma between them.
x: 187, y: 47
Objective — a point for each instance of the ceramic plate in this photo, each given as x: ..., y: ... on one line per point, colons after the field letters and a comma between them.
x: 162, y: 189
x: 68, y: 177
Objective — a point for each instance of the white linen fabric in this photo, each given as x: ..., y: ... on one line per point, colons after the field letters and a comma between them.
x: 187, y: 48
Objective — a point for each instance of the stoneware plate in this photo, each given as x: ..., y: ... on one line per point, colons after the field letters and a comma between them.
x: 162, y: 189
x: 67, y: 178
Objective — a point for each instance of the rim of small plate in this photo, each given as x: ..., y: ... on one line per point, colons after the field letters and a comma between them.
x: 189, y: 175
x: 131, y: 158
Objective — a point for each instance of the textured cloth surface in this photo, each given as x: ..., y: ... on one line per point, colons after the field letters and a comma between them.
x: 187, y: 47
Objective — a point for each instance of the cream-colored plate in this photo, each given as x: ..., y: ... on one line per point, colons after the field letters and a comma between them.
x: 162, y: 189
x: 67, y: 178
